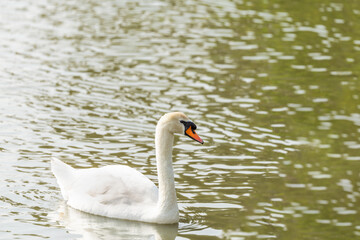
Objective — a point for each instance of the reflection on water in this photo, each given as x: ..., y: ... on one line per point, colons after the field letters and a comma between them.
x: 96, y: 227
x: 273, y: 87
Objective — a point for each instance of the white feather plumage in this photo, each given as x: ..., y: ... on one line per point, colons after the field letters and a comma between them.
x: 118, y: 191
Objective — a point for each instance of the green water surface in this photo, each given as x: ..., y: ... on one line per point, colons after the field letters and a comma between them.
x: 273, y: 87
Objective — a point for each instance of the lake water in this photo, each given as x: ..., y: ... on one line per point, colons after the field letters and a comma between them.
x: 272, y: 85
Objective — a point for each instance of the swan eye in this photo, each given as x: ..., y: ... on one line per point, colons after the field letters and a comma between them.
x: 188, y: 124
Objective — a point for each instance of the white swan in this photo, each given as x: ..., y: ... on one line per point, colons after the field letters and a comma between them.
x: 122, y: 192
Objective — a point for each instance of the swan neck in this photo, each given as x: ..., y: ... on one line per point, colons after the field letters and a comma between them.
x: 167, y: 201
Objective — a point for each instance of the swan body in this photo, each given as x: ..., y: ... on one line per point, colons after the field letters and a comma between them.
x: 119, y: 191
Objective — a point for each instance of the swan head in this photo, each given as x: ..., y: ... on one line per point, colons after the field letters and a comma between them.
x: 178, y: 122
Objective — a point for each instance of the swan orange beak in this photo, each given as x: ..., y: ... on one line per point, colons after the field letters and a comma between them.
x: 192, y: 134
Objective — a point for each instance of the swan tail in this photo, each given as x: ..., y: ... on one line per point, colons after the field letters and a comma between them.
x: 65, y: 175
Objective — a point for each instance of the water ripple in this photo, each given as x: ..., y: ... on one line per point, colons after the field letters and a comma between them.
x: 273, y: 88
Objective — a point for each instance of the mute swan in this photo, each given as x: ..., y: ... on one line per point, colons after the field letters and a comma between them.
x: 118, y: 191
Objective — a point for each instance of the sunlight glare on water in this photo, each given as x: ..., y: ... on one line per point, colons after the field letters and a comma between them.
x: 273, y: 87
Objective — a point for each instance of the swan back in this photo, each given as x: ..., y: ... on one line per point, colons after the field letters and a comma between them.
x: 115, y: 191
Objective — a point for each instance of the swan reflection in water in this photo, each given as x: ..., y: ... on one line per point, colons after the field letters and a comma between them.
x: 93, y: 227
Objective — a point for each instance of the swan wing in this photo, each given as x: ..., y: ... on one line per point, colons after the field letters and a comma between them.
x: 113, y: 191
x: 115, y: 185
